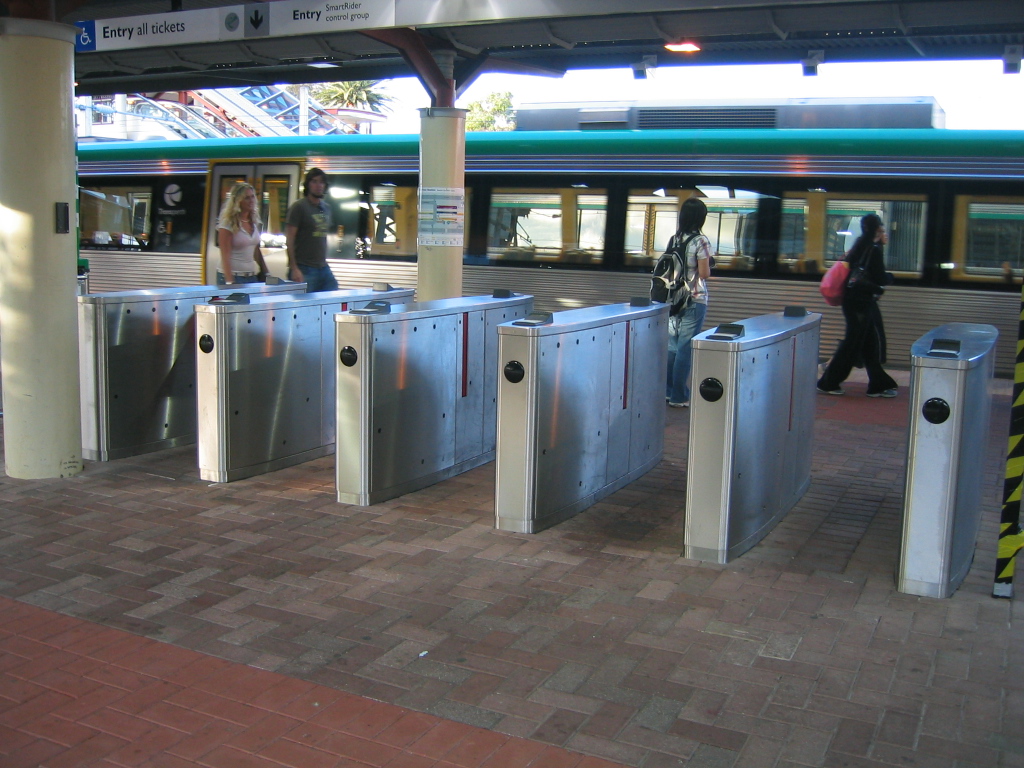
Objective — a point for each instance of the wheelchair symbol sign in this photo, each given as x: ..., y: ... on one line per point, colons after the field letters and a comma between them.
x: 85, y: 40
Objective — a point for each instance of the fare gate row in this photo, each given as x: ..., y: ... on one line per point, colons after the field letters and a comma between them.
x: 575, y: 413
x: 581, y: 414
x: 137, y: 365
x: 751, y: 431
x: 265, y: 378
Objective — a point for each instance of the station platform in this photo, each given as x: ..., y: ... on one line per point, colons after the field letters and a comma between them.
x: 150, y: 618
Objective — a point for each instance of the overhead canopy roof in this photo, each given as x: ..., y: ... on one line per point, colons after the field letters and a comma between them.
x: 549, y: 36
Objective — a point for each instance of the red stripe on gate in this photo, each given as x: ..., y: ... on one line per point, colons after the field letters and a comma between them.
x: 625, y: 371
x: 465, y: 353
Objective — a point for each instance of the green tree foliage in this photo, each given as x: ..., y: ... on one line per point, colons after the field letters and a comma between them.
x: 356, y: 94
x: 493, y: 113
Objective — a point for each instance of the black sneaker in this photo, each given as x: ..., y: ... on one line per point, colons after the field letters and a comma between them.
x: 836, y: 391
x: 884, y: 393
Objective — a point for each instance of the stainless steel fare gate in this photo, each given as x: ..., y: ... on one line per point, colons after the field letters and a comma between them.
x: 751, y: 429
x: 581, y: 410
x: 950, y: 401
x: 266, y: 379
x: 416, y: 392
x: 138, y: 368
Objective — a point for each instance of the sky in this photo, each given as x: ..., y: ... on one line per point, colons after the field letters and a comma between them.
x: 973, y: 94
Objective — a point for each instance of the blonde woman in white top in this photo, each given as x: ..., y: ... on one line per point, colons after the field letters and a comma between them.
x: 238, y: 235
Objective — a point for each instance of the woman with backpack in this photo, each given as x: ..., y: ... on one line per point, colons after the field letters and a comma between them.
x: 690, y: 302
x: 864, y: 342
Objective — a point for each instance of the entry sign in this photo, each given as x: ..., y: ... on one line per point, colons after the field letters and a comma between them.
x: 234, y: 22
x: 442, y: 216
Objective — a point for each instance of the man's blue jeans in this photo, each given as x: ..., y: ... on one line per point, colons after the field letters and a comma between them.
x: 681, y: 329
x: 318, y: 278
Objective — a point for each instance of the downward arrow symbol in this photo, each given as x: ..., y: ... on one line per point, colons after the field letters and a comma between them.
x: 256, y: 20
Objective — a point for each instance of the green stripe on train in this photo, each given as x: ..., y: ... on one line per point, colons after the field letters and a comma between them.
x: 794, y: 143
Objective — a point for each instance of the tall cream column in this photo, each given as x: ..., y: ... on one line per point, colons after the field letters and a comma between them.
x: 442, y: 203
x: 38, y: 309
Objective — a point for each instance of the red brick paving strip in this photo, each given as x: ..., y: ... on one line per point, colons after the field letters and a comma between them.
x: 74, y: 693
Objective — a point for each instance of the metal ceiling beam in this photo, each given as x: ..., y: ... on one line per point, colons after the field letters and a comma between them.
x: 414, y: 49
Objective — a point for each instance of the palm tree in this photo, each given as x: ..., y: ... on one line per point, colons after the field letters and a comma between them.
x: 357, y: 94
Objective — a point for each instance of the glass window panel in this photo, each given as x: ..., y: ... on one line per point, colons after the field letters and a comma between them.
x: 527, y: 224
x: 591, y: 215
x: 651, y: 221
x: 391, y: 229
x: 904, y: 221
x: 274, y: 210
x: 731, y: 225
x: 115, y: 217
x: 995, y: 238
x: 793, y: 237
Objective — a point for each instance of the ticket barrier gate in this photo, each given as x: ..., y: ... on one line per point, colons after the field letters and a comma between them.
x: 581, y: 409
x: 136, y: 359
x: 416, y: 392
x: 950, y: 401
x: 751, y: 430
x: 266, y: 379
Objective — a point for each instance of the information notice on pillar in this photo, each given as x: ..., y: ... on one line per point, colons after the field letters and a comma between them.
x: 442, y: 216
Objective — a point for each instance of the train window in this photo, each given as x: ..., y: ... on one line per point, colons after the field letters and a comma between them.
x: 115, y: 218
x: 731, y: 225
x: 564, y: 225
x: 904, y: 219
x: 793, y: 237
x: 274, y: 210
x: 995, y: 238
x: 651, y: 220
x: 392, y: 222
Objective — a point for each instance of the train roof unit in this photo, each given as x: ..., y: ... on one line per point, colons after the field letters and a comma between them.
x: 869, y: 112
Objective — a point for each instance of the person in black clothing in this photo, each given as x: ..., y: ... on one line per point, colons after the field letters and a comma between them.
x: 865, y: 334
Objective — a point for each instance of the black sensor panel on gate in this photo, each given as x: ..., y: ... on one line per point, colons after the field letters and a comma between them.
x: 944, y: 348
x: 535, y: 318
x: 373, y: 308
x: 233, y: 298
x: 727, y: 332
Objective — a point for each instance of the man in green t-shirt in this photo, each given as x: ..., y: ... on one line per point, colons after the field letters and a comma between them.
x: 308, y: 225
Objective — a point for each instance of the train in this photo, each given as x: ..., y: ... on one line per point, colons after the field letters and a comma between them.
x: 578, y: 218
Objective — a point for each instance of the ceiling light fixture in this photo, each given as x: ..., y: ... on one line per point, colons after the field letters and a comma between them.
x: 810, y: 64
x: 642, y: 67
x: 1012, y: 55
x: 683, y: 47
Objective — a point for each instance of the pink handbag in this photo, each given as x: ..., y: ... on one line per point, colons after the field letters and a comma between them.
x: 833, y: 284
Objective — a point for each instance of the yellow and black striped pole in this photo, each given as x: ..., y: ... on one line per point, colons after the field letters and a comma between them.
x: 1011, y: 538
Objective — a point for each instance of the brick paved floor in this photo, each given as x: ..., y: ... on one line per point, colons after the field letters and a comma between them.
x: 594, y: 636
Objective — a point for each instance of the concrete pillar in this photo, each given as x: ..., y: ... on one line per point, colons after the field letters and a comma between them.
x: 442, y: 167
x: 83, y: 115
x: 123, y: 127
x: 303, y: 110
x: 38, y: 308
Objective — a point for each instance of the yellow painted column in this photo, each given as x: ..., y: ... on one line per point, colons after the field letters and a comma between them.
x: 38, y: 284
x: 442, y: 204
